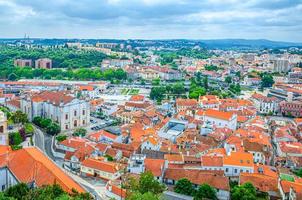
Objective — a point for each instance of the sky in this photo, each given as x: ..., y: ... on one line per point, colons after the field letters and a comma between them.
x: 279, y: 20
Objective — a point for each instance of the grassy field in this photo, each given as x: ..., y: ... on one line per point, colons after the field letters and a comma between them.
x: 131, y: 91
x: 287, y: 177
x: 134, y: 91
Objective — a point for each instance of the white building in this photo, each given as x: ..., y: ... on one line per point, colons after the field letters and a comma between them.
x: 265, y: 105
x: 238, y: 162
x: 151, y: 143
x: 220, y: 119
x: 3, y: 129
x: 136, y: 163
x: 281, y: 66
x: 68, y: 111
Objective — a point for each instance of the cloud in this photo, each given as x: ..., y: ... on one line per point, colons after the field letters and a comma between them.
x: 271, y: 19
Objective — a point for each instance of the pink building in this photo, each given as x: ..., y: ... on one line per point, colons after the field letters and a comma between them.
x: 44, y: 63
x: 23, y: 62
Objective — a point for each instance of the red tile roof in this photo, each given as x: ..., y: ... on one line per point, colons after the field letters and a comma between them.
x: 212, y: 161
x: 30, y: 164
x: 101, y: 165
x: 199, y: 177
x: 55, y: 98
x: 155, y: 166
x: 219, y: 114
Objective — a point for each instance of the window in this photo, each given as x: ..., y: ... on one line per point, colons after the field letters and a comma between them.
x: 66, y: 126
x: 66, y: 116
x: 83, y: 122
x: 83, y: 112
x: 227, y: 170
x: 235, y: 171
x: 75, y: 113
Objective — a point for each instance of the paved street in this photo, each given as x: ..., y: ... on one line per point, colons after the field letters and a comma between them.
x: 39, y: 139
x: 44, y: 142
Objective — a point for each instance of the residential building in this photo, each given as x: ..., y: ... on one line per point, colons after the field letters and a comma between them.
x: 136, y: 163
x: 293, y: 108
x: 220, y: 119
x: 215, y: 179
x: 36, y: 170
x: 281, y: 66
x: 184, y: 104
x: 43, y: 63
x: 23, y: 62
x: 238, y: 162
x: 265, y: 105
x: 101, y: 169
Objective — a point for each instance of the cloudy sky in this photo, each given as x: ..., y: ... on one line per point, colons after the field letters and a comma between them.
x: 153, y: 19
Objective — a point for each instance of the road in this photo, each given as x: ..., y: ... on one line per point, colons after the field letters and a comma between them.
x: 39, y: 139
x: 44, y: 142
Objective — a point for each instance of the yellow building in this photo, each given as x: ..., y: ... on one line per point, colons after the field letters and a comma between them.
x: 3, y: 129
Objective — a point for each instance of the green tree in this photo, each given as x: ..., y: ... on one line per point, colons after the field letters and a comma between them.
x: 298, y: 172
x: 53, y: 129
x: 19, y: 117
x: 157, y: 93
x: 18, y: 191
x: 143, y: 82
x: 205, y: 191
x: 196, y: 92
x: 80, y: 132
x: 266, y: 80
x: 184, y: 186
x: 156, y: 81
x: 211, y: 67
x: 61, y: 138
x: 29, y: 129
x: 147, y: 183
x: 45, y: 123
x: 37, y: 120
x: 206, y: 83
x: 145, y: 196
x: 15, y: 138
x: 228, y: 79
x: 12, y: 77
x: 245, y: 191
x: 47, y: 192
x: 178, y: 89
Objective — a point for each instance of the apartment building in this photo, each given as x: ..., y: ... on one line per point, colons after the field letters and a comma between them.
x: 23, y: 62
x: 43, y: 63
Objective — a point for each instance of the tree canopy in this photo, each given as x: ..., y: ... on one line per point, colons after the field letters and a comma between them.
x: 147, y: 187
x: 205, y: 191
x: 49, y: 192
x: 245, y: 191
x: 184, y: 186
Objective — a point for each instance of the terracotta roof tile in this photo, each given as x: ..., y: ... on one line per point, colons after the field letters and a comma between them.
x: 39, y: 168
x: 155, y: 166
x: 199, y: 177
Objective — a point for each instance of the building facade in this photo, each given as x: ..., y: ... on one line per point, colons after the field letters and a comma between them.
x: 67, y: 111
x: 3, y: 129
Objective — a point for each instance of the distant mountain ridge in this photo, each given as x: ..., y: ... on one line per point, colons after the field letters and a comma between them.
x: 170, y: 43
x: 257, y: 43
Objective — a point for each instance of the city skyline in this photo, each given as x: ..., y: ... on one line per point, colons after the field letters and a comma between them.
x: 278, y: 20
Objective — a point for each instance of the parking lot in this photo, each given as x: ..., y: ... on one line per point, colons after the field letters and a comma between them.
x: 97, y: 124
